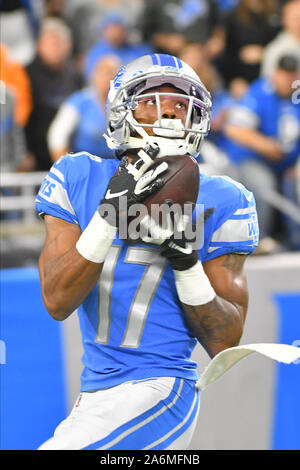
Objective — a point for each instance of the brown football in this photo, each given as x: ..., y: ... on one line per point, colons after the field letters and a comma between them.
x: 181, y: 185
x: 181, y: 181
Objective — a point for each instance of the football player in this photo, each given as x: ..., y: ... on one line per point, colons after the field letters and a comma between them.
x: 142, y: 307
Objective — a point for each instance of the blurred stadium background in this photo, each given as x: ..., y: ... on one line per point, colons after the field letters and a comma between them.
x: 54, y: 55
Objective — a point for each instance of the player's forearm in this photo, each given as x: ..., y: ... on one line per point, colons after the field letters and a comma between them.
x: 71, y: 263
x: 254, y: 140
x: 218, y: 324
x: 215, y: 301
x: 66, y: 282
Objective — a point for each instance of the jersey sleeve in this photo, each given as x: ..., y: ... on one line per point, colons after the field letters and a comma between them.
x: 234, y: 226
x: 53, y: 196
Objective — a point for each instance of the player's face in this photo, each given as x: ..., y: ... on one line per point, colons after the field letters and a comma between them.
x: 172, y: 107
x: 283, y: 82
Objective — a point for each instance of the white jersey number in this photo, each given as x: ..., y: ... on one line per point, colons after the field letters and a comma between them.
x: 155, y: 266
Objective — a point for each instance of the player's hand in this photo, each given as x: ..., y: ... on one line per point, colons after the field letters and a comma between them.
x: 131, y: 183
x: 180, y: 253
x: 179, y: 248
x: 175, y: 235
x: 179, y: 238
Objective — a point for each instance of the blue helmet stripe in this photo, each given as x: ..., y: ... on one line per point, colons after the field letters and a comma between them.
x: 154, y: 58
x: 166, y: 60
x: 179, y: 63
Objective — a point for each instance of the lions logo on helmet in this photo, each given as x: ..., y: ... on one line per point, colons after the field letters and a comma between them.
x: 173, y: 136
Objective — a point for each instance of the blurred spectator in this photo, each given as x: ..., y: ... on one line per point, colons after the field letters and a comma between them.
x: 14, y: 75
x: 130, y: 10
x: 114, y: 41
x: 290, y: 190
x: 194, y: 55
x: 53, y: 78
x: 287, y: 41
x: 212, y: 152
x: 84, y: 19
x: 249, y: 27
x: 168, y: 24
x: 227, y: 5
x: 54, y: 8
x: 297, y: 170
x: 78, y: 18
x: 80, y: 122
x: 19, y: 27
x: 14, y: 155
x: 264, y: 130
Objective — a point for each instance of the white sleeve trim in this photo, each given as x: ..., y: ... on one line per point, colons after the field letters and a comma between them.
x: 58, y: 196
x: 62, y: 127
x: 237, y: 228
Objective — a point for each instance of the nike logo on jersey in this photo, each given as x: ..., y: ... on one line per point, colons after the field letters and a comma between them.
x: 110, y: 195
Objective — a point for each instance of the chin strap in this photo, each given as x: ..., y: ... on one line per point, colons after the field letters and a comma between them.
x: 166, y: 146
x: 111, y: 143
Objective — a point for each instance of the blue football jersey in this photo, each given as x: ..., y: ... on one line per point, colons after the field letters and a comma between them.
x: 132, y: 323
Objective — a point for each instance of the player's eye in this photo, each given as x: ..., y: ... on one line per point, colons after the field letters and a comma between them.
x: 151, y: 101
x: 181, y: 105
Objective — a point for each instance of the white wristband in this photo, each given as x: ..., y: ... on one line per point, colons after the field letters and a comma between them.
x: 95, y: 241
x: 193, y: 286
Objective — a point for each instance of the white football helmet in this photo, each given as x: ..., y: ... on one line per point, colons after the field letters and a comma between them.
x: 172, y: 136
